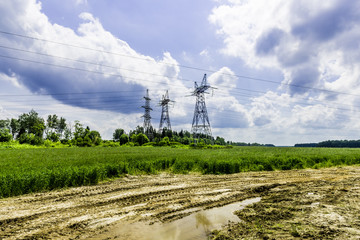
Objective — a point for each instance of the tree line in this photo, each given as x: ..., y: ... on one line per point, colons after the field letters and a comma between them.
x: 332, y: 144
x: 32, y: 129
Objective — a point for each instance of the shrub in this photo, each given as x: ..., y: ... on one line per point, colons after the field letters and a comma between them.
x: 5, y: 135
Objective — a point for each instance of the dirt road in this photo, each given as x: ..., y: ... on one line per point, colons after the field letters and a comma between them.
x: 321, y: 203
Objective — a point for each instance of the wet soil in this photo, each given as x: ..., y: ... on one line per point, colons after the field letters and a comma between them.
x: 296, y: 204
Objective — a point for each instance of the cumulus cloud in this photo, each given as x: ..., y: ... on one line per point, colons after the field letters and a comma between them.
x: 297, y: 37
x: 318, y: 117
x: 315, y: 45
x: 227, y: 112
x: 270, y: 108
x: 268, y: 41
x: 102, y: 64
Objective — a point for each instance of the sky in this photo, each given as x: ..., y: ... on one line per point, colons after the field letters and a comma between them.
x: 282, y: 71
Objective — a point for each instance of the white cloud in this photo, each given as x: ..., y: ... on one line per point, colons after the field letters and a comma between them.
x: 229, y: 112
x: 11, y: 79
x: 204, y: 53
x: 294, y: 37
x: 81, y: 2
x: 315, y: 45
x: 243, y: 22
x: 124, y: 70
x: 111, y: 66
x: 279, y: 34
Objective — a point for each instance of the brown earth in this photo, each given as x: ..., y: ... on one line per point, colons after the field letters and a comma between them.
x: 295, y: 204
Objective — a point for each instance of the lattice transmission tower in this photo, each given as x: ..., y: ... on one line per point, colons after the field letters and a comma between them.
x: 165, y: 119
x: 146, y: 116
x: 201, y: 123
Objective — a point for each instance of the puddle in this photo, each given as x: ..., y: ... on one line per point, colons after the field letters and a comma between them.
x: 196, y: 226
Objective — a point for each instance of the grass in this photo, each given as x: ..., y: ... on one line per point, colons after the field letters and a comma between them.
x: 29, y: 170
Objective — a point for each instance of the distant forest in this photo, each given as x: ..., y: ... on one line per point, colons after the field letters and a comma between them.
x: 332, y: 144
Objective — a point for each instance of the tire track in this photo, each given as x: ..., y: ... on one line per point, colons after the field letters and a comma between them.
x: 85, y: 211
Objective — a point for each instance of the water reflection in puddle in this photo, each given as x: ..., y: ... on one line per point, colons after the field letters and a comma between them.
x: 195, y: 226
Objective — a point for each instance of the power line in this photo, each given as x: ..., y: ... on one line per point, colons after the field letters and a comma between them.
x: 97, y: 72
x: 227, y: 117
x: 86, y: 62
x: 73, y: 68
x: 96, y: 50
x: 242, y: 89
x: 167, y: 77
x: 101, y: 101
x: 59, y: 94
x: 178, y: 65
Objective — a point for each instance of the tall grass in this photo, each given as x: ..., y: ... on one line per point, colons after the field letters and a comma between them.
x: 41, y: 169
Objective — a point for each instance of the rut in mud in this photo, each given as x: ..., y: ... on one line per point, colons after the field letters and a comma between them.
x: 92, y: 211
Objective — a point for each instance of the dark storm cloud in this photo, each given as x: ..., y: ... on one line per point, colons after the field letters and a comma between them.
x: 303, y: 79
x: 70, y: 66
x: 268, y: 41
x: 333, y: 26
x: 76, y: 88
x: 289, y: 58
x: 328, y: 23
x: 261, y: 121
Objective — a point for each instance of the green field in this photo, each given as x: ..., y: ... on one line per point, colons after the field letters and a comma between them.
x: 41, y: 169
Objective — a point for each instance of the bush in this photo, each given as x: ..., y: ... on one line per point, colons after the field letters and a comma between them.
x: 5, y: 135
x: 48, y: 143
x: 30, y: 138
x: 124, y: 139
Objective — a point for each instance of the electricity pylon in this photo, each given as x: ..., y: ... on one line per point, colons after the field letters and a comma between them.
x: 146, y: 116
x: 201, y: 123
x: 165, y: 119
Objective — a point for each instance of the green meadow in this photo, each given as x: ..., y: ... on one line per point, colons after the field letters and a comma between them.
x: 25, y: 170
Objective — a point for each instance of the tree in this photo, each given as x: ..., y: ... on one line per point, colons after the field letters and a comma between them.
x: 52, y: 121
x: 31, y: 123
x: 138, y: 130
x: 5, y: 124
x: 94, y: 137
x: 79, y: 130
x: 220, y: 141
x: 32, y: 127
x: 141, y: 139
x: 164, y: 142
x: 61, y: 127
x: 53, y: 137
x: 5, y: 135
x: 15, y: 126
x: 55, y: 125
x: 67, y: 133
x: 84, y: 137
x: 117, y: 134
x: 124, y: 139
x: 166, y: 133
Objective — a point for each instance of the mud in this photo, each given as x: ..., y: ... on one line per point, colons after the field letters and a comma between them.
x: 312, y: 204
x: 196, y: 226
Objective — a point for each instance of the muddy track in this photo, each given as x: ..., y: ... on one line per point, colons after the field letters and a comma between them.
x: 85, y: 212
